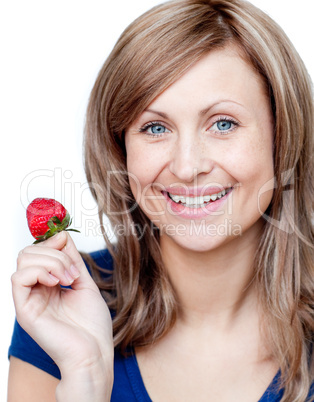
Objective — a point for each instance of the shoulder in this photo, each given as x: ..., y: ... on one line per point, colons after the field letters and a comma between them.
x: 128, y: 383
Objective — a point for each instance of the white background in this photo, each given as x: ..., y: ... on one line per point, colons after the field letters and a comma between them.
x: 51, y: 53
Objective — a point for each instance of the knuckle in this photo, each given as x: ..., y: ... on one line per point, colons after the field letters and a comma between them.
x: 65, y: 259
x: 22, y: 255
x: 20, y: 258
x: 23, y: 259
x: 14, y: 278
x: 58, y: 265
x: 28, y: 249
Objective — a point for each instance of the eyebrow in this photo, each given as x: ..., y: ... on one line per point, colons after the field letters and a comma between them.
x: 201, y: 112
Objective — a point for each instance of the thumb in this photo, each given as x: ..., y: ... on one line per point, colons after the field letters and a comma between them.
x: 57, y: 242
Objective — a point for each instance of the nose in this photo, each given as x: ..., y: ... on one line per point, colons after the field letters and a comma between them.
x: 190, y: 157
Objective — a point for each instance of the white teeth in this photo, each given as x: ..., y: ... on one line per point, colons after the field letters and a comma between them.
x: 196, y: 202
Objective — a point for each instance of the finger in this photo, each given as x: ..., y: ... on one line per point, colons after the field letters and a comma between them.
x: 24, y: 280
x: 46, y: 251
x: 85, y: 278
x: 58, y: 265
x: 50, y: 252
x: 56, y: 242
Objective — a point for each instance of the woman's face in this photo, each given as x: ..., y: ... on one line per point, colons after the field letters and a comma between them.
x: 199, y: 155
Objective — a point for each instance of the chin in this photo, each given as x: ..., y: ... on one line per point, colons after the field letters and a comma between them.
x: 202, y: 242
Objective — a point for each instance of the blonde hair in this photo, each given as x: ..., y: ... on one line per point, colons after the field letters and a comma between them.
x: 151, y: 54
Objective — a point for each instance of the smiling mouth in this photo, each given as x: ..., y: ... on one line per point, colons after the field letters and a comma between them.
x: 198, y: 201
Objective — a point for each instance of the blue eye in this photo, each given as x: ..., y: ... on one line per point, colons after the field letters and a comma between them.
x: 154, y: 129
x: 224, y: 125
x: 157, y: 129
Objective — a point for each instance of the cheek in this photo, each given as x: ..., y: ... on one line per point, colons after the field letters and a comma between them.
x: 252, y: 156
x: 143, y: 169
x: 254, y: 171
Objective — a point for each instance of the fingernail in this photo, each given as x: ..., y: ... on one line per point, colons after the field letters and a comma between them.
x: 59, y: 235
x: 74, y: 271
x: 53, y: 278
x: 69, y: 276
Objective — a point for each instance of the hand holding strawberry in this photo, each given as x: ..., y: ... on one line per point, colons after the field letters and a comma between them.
x: 46, y: 217
x: 73, y: 325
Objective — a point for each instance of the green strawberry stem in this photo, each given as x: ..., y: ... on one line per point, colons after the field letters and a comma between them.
x: 56, y: 226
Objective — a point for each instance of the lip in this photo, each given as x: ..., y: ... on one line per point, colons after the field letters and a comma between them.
x: 196, y: 191
x: 212, y: 208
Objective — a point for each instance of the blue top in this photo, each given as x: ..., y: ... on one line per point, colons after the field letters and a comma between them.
x: 128, y: 384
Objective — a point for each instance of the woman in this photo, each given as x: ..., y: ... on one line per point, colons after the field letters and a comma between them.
x: 199, y: 143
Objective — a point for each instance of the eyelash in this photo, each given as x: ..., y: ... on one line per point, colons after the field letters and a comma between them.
x: 151, y: 124
x: 227, y: 119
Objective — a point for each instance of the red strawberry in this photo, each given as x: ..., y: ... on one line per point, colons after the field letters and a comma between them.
x: 46, y: 217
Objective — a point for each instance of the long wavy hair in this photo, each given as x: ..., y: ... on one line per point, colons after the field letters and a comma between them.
x: 151, y: 54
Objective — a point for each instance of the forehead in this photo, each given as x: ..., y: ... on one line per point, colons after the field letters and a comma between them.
x: 222, y: 73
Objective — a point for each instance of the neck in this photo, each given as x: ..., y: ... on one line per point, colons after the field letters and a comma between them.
x: 213, y: 286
